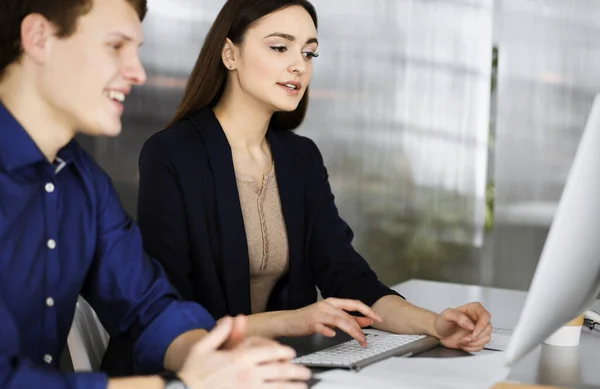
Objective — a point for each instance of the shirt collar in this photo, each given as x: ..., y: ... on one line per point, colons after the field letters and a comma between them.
x: 17, y: 149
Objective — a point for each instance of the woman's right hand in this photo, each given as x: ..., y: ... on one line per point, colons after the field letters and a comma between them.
x: 330, y: 313
x: 254, y: 363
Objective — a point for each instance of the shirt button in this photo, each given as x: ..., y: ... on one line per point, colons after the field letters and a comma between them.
x: 48, y: 358
x: 51, y: 244
x: 50, y: 302
x: 49, y: 187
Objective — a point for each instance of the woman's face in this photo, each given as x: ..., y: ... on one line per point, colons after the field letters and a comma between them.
x: 274, y: 63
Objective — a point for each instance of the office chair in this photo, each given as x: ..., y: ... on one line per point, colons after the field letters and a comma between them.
x: 87, y: 340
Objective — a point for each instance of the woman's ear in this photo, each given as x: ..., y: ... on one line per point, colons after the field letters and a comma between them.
x: 228, y: 55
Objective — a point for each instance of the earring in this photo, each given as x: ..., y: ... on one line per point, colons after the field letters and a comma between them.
x: 230, y: 66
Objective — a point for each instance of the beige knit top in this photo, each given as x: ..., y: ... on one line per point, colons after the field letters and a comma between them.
x: 266, y: 236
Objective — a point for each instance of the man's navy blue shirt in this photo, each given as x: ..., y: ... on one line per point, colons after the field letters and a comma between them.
x: 64, y: 233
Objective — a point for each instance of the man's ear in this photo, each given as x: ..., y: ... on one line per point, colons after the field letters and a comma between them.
x: 228, y: 55
x: 36, y: 32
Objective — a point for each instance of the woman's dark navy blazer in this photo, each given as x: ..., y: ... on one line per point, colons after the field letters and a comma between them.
x: 191, y: 221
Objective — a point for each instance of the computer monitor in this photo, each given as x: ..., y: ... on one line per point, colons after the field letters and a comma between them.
x: 567, y: 277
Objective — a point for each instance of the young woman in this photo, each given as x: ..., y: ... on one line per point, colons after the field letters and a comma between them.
x: 238, y: 208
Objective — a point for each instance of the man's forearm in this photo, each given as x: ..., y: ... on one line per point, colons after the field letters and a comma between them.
x: 151, y: 382
x: 400, y: 316
x: 179, y: 349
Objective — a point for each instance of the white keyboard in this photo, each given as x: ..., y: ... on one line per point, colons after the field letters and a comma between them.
x: 352, y: 355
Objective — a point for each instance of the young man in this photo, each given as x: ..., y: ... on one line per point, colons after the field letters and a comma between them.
x: 65, y: 67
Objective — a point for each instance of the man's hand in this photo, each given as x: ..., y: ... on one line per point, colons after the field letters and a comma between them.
x: 254, y: 363
x: 467, y: 327
x: 238, y: 331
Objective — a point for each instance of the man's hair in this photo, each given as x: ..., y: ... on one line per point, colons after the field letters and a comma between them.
x: 63, y: 13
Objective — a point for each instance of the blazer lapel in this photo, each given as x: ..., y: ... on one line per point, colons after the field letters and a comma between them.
x: 291, y: 193
x: 234, y: 249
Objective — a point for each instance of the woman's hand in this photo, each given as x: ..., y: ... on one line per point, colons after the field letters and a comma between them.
x: 323, y: 316
x: 467, y: 327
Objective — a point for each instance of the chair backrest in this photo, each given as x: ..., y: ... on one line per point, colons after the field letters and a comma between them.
x: 87, y: 340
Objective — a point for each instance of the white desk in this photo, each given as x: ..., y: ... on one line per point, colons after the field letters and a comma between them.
x: 560, y: 366
x: 572, y: 367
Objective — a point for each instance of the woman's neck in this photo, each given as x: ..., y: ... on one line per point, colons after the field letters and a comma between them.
x: 244, y: 120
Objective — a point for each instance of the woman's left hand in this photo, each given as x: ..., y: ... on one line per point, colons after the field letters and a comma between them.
x: 467, y: 327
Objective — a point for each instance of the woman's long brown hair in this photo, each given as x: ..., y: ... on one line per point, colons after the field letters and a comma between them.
x: 207, y: 81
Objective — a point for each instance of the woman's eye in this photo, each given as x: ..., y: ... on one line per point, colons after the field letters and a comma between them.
x: 279, y: 49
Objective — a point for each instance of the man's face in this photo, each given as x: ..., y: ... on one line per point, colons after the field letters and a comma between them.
x: 88, y: 75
